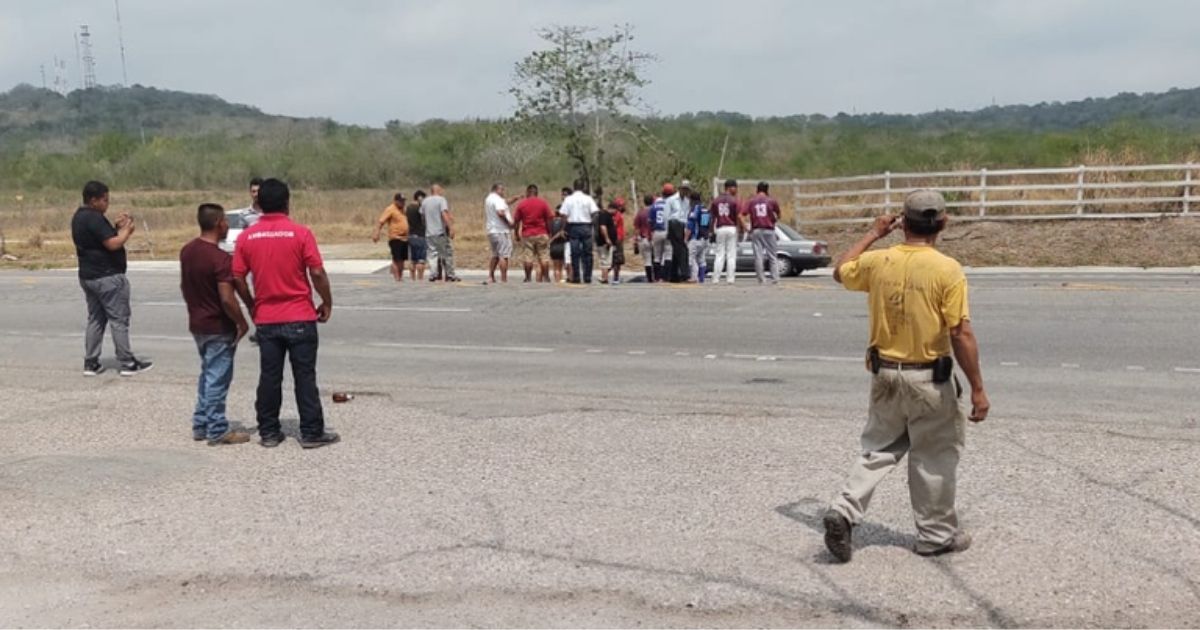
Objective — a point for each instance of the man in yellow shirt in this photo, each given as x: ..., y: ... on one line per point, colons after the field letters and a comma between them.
x: 917, y: 299
x: 396, y: 221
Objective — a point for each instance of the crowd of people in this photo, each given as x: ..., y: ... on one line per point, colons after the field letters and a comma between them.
x: 920, y: 321
x: 672, y: 232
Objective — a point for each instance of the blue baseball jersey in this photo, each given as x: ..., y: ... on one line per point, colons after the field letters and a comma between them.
x: 658, y: 215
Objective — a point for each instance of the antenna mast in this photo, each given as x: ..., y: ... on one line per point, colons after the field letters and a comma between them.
x: 89, y: 61
x: 121, y: 41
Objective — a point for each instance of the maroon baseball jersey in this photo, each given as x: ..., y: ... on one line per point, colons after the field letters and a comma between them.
x: 763, y: 211
x: 725, y: 209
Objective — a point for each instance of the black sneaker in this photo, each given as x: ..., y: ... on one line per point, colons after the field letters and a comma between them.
x: 135, y: 367
x: 325, y: 439
x: 93, y: 368
x: 199, y: 437
x: 837, y: 536
x: 271, y: 441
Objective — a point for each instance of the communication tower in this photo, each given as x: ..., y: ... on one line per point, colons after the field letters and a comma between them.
x: 88, y: 60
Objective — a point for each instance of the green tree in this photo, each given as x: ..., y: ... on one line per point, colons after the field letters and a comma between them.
x: 584, y: 85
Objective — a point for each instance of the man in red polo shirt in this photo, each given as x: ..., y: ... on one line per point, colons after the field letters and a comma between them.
x: 531, y: 222
x: 282, y: 256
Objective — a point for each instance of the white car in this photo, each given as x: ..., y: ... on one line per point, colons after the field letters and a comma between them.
x: 237, y: 223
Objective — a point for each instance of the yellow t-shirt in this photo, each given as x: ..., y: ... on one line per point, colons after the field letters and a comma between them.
x: 396, y: 221
x: 915, y: 295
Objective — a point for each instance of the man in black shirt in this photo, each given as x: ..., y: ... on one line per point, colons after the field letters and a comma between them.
x: 100, y: 247
x: 418, y: 251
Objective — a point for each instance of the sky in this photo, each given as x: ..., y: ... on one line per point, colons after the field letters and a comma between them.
x: 370, y: 61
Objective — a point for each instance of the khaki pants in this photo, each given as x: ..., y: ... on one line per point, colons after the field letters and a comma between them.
x: 910, y: 414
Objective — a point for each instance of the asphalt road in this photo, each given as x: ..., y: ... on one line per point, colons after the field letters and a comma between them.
x: 636, y: 455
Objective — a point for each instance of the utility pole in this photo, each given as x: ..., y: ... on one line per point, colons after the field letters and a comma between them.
x: 121, y: 41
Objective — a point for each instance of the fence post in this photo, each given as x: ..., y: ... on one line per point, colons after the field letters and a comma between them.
x: 887, y: 194
x: 1079, y: 190
x: 1187, y: 188
x: 982, y: 192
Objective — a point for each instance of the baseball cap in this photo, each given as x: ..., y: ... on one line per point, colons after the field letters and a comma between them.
x: 685, y: 184
x: 668, y: 188
x: 924, y: 205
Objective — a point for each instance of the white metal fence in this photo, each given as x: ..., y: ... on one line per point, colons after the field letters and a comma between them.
x: 1081, y: 192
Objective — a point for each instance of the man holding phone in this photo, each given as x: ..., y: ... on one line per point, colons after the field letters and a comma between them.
x: 918, y: 315
x: 100, y: 249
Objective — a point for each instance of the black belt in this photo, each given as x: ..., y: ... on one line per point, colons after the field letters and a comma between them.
x: 901, y: 365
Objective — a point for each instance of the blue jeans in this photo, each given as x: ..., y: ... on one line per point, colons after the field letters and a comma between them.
x: 298, y: 342
x: 581, y: 238
x: 216, y: 373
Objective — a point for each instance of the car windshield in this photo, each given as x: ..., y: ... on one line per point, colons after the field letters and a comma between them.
x: 789, y: 231
x: 236, y: 220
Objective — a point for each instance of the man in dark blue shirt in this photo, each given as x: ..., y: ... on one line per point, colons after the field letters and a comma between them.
x: 699, y: 231
x: 100, y: 247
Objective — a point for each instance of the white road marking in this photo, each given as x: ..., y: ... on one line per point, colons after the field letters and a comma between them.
x: 398, y: 309
x: 1071, y: 366
x: 765, y: 358
x: 594, y: 351
x: 1187, y: 370
x: 683, y: 354
x: 1135, y: 368
x: 636, y: 352
x: 1010, y: 364
x: 439, y: 346
x: 710, y: 356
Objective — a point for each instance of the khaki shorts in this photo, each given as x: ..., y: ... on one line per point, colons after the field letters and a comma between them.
x: 606, y: 256
x: 535, y: 249
x: 501, y: 245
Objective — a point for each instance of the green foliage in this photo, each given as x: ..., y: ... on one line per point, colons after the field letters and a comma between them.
x: 146, y: 138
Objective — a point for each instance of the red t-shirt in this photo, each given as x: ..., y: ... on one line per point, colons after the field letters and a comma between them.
x: 202, y: 265
x: 535, y: 216
x: 278, y: 253
x: 619, y: 220
x: 725, y: 209
x: 763, y: 211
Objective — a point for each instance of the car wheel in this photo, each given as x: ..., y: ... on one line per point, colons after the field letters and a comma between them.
x: 786, y: 268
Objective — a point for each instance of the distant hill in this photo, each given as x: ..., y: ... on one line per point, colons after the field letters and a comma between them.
x: 152, y: 138
x: 29, y: 113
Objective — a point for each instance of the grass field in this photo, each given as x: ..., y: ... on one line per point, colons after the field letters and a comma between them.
x: 35, y: 229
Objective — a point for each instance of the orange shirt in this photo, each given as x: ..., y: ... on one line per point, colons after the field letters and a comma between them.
x: 397, y: 222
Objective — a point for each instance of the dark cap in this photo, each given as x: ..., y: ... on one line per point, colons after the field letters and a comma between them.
x: 924, y: 205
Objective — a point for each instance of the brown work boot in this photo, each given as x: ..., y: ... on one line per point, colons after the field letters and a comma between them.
x: 960, y: 542
x: 837, y: 536
x: 231, y: 437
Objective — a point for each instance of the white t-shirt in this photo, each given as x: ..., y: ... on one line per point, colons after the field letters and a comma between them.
x: 579, y: 207
x: 493, y: 206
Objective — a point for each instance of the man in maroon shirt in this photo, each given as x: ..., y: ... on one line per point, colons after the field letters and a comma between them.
x: 283, y: 257
x: 645, y: 232
x: 725, y: 210
x: 531, y: 224
x: 759, y: 216
x: 215, y: 321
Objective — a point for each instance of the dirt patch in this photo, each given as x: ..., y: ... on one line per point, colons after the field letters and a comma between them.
x: 1126, y: 243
